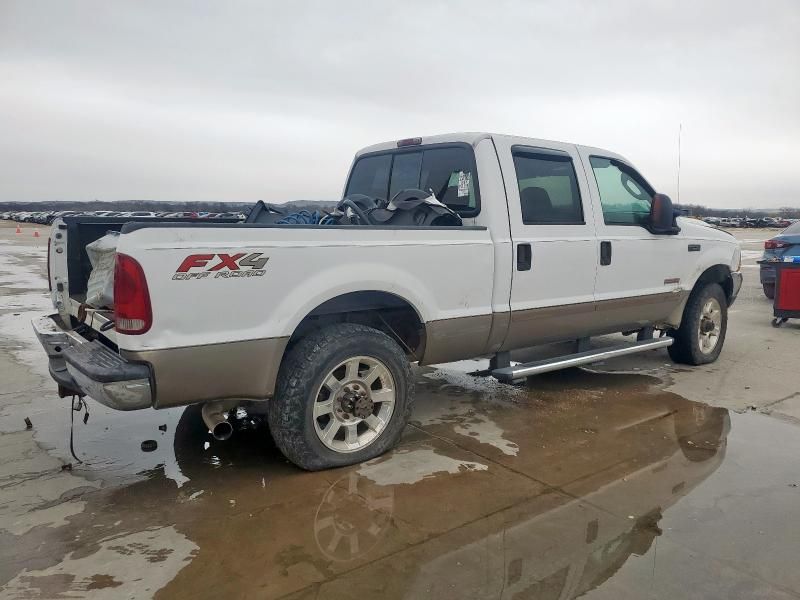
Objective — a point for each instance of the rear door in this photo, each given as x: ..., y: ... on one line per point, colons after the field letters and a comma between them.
x: 554, y: 240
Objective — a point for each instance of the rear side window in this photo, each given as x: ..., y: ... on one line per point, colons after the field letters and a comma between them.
x: 450, y: 174
x: 447, y: 171
x: 548, y: 188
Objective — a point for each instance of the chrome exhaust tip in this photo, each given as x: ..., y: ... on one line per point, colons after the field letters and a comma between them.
x: 216, y: 419
x: 222, y: 430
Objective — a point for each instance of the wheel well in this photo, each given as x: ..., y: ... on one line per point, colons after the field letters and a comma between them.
x: 386, y: 312
x: 720, y: 274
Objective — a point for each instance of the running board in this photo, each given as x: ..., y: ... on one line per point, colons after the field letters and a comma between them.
x: 575, y: 360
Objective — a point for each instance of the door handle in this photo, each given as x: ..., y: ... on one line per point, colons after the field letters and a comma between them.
x: 524, y: 254
x: 605, y: 253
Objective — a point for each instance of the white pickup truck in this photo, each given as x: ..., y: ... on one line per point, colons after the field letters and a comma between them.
x: 315, y: 325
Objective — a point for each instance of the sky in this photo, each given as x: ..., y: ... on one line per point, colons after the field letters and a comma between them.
x: 241, y: 101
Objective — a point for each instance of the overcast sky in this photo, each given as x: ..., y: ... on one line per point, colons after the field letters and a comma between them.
x: 258, y: 100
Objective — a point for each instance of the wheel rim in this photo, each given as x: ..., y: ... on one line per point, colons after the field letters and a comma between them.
x: 710, y: 326
x: 353, y: 404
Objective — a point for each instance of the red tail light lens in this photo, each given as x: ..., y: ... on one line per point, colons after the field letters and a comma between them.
x: 775, y: 244
x: 132, y: 312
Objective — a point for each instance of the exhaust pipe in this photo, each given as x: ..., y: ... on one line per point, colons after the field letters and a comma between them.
x: 215, y: 419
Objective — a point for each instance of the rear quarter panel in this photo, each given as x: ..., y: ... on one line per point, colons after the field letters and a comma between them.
x: 443, y: 273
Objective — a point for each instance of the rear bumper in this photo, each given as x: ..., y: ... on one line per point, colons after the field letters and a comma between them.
x: 91, y: 369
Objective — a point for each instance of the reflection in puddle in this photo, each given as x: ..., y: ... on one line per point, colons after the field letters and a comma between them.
x: 341, y: 538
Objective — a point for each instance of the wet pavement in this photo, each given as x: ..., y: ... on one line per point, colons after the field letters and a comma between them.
x: 582, y: 483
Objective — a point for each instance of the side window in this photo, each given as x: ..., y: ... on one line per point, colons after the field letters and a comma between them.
x: 370, y: 176
x: 448, y: 172
x: 624, y: 195
x: 548, y: 189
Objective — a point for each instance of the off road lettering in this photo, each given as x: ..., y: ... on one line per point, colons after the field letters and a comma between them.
x: 222, y: 265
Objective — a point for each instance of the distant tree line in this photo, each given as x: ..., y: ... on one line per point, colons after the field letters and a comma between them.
x: 698, y: 210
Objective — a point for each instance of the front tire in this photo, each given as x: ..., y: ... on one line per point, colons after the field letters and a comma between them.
x: 699, y: 339
x: 343, y: 396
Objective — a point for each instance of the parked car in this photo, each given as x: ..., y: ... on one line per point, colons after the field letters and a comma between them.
x: 316, y: 326
x: 786, y: 243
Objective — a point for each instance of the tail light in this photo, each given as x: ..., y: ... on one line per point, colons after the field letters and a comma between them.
x: 775, y: 244
x: 132, y: 312
x: 409, y: 142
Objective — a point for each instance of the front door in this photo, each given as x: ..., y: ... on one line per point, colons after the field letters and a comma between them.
x: 555, y: 246
x: 639, y: 278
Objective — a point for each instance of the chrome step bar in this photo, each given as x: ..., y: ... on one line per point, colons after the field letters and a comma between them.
x: 581, y: 358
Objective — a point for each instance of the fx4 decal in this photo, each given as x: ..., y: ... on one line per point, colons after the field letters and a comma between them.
x: 221, y: 266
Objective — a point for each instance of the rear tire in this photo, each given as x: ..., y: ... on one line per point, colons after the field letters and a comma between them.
x: 699, y: 339
x: 769, y: 290
x: 344, y: 395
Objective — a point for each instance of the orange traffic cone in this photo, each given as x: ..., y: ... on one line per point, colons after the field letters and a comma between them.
x: 19, y: 230
x: 35, y: 233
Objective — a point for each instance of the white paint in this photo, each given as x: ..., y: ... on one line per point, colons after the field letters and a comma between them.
x: 159, y: 552
x: 406, y: 467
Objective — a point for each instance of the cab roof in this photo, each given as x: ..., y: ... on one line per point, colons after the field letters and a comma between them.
x: 472, y: 138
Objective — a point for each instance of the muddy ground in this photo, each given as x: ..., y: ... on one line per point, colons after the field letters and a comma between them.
x: 636, y: 478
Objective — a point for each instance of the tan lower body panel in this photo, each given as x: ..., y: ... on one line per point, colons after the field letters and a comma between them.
x: 568, y: 322
x: 455, y: 339
x: 467, y: 337
x: 631, y: 313
x: 246, y: 369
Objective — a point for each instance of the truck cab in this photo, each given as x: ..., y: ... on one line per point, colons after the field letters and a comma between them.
x: 575, y: 251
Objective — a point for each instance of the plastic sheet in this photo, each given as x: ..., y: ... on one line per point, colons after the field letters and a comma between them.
x: 100, y: 289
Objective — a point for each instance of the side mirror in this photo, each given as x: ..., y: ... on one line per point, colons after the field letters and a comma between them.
x: 662, y: 216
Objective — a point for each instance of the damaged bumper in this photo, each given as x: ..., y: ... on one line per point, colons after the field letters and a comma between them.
x: 91, y: 369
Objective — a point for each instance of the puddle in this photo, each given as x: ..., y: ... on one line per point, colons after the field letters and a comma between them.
x: 599, y: 483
